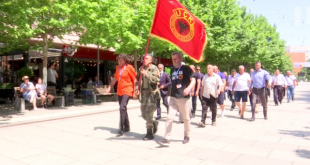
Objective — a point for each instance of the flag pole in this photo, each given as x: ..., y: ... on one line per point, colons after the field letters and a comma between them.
x: 147, y: 47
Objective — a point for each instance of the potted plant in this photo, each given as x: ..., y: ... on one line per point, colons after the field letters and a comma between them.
x: 25, y: 71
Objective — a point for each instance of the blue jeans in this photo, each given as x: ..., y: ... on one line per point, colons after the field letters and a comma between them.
x: 290, y: 93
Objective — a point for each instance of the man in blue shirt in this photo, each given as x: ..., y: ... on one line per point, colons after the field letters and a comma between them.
x: 95, y: 83
x: 258, y: 84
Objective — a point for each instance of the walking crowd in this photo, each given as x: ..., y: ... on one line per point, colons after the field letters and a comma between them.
x: 187, y: 84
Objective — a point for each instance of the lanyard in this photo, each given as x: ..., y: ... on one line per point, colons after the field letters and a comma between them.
x: 121, y: 71
x: 175, y: 74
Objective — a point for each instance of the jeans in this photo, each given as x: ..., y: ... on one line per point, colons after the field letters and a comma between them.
x: 290, y: 92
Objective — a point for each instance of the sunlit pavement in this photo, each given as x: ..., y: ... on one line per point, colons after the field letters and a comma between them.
x: 283, y: 139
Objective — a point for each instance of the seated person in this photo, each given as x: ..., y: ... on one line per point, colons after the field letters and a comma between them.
x: 29, y: 92
x: 90, y: 83
x: 95, y: 83
x: 41, y: 90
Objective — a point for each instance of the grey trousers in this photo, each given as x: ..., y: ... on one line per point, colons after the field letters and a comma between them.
x: 259, y: 92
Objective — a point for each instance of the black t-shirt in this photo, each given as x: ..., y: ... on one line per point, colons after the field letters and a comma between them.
x: 181, y: 76
x: 197, y: 77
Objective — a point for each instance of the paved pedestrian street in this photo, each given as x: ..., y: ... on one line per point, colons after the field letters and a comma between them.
x: 283, y: 139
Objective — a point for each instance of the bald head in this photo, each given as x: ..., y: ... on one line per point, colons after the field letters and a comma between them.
x: 241, y: 69
x: 192, y: 67
x: 210, y: 69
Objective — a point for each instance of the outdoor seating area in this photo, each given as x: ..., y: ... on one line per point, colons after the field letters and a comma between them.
x: 92, y: 95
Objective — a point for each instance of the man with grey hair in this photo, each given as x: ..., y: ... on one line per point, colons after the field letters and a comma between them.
x: 212, y: 85
x: 241, y: 89
x: 292, y: 82
x: 183, y: 81
x: 277, y: 83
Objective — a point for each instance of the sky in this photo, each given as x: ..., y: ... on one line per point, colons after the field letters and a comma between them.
x: 292, y: 18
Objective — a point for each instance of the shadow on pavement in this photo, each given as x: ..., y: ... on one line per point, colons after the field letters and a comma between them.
x: 302, y: 134
x: 303, y: 153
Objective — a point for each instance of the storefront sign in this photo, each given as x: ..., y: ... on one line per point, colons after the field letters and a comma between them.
x: 69, y: 50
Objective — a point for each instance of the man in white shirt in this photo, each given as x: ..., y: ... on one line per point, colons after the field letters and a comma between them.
x: 278, y: 82
x: 212, y: 85
x: 229, y: 84
x: 51, y: 75
x: 291, y: 81
x: 241, y: 89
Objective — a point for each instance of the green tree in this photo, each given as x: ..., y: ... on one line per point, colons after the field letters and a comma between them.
x: 44, y: 19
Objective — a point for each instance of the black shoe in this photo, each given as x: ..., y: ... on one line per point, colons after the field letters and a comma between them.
x: 149, y: 135
x: 252, y: 119
x: 120, y: 132
x: 157, y: 118
x: 164, y: 142
x: 126, y: 130
x: 186, y: 140
x: 155, y: 128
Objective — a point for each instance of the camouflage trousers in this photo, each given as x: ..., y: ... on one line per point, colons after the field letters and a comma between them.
x: 148, y: 107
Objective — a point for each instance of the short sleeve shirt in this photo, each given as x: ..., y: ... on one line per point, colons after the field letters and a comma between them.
x: 242, y: 82
x: 211, y: 85
x: 181, y: 76
x: 231, y: 81
x: 24, y: 86
x: 41, y: 88
x: 126, y: 77
x: 51, y: 75
x: 290, y: 80
x: 197, y: 77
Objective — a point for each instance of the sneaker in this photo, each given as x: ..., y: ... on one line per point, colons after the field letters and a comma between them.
x: 201, y: 124
x: 288, y: 101
x: 192, y: 115
x: 45, y: 105
x: 231, y: 109
x: 164, y: 142
x: 186, y: 139
x: 213, y: 123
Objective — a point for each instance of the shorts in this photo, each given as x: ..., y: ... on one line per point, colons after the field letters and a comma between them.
x: 241, y: 94
x: 221, y: 98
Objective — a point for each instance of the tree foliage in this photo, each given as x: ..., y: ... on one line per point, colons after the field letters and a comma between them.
x: 235, y: 36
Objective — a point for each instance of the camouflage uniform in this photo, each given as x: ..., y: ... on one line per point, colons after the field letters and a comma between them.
x: 148, y: 98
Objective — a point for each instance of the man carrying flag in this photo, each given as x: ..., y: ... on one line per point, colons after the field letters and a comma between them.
x: 175, y: 24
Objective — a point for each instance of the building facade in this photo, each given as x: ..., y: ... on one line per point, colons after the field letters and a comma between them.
x: 297, y: 57
x: 299, y: 49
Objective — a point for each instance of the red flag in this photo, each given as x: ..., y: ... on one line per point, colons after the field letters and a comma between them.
x: 175, y: 24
